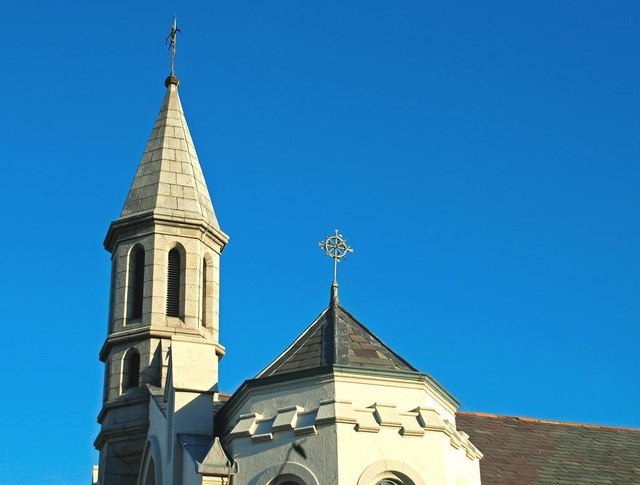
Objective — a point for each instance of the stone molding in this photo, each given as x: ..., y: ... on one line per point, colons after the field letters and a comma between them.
x: 390, y: 469
x: 146, y: 332
x: 153, y: 222
x: 127, y: 430
x: 414, y: 423
x: 290, y: 468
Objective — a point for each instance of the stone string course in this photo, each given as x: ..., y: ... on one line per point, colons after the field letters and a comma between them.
x: 413, y: 423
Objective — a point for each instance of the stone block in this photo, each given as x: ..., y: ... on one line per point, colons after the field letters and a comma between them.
x: 387, y: 415
x: 366, y: 421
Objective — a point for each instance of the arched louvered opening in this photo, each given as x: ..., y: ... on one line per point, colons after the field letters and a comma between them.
x: 136, y: 283
x: 203, y: 310
x: 174, y: 283
x: 207, y: 292
x: 131, y: 369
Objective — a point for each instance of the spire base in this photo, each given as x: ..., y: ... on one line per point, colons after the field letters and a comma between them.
x: 171, y: 79
x: 334, y: 300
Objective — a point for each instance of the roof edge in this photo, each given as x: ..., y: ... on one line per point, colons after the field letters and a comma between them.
x: 327, y: 370
x: 548, y: 421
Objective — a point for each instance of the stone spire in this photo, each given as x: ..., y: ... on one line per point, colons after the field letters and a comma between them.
x: 169, y: 182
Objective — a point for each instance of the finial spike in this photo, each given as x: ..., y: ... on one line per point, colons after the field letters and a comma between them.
x: 171, y: 39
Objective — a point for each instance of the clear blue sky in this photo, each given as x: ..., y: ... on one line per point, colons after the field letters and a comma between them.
x: 481, y: 157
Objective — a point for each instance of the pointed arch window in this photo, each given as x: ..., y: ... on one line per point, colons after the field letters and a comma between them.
x: 204, y: 292
x: 131, y: 369
x: 207, y: 292
x: 174, y: 283
x: 136, y: 283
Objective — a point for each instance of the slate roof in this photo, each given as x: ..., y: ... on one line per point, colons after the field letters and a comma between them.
x: 523, y: 451
x: 337, y: 338
x: 169, y: 180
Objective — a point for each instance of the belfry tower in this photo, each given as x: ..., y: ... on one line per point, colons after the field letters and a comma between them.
x: 165, y: 249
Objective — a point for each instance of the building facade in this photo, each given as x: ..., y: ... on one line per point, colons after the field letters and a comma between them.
x: 338, y: 406
x: 336, y: 389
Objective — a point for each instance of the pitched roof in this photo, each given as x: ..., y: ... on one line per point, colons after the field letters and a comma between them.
x: 169, y: 180
x: 525, y: 451
x: 337, y: 338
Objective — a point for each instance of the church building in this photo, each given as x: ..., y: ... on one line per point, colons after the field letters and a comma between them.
x: 338, y: 406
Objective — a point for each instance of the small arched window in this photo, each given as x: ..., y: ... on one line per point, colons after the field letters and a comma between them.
x: 136, y: 283
x: 203, y: 310
x: 173, y: 283
x: 131, y: 369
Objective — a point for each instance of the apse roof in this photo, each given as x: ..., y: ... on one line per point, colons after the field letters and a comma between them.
x: 337, y: 338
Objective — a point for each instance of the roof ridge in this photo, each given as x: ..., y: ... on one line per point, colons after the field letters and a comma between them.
x: 549, y: 421
x: 303, y: 337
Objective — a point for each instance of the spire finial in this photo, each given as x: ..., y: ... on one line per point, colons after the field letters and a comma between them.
x: 336, y: 248
x: 171, y: 39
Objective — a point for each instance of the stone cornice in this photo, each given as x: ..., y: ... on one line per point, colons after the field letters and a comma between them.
x: 444, y: 397
x: 141, y: 333
x: 124, y: 430
x: 408, y: 423
x: 330, y: 371
x: 319, y: 375
x: 150, y: 220
x: 132, y: 396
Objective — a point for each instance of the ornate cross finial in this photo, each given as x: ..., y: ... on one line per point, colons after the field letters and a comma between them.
x: 171, y: 40
x: 337, y: 248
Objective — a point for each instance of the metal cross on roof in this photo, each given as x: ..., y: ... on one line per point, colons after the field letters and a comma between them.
x: 337, y: 248
x: 171, y: 40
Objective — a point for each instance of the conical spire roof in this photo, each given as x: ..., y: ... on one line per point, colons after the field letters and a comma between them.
x: 336, y: 338
x: 169, y: 181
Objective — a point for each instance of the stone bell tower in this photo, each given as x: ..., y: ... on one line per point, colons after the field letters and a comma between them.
x: 165, y: 249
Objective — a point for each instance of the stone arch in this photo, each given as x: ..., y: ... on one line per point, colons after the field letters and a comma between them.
x: 392, y: 470
x: 130, y: 369
x: 288, y: 472
x: 150, y: 472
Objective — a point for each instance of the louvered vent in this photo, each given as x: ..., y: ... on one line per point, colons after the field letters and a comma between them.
x: 204, y: 293
x: 173, y: 284
x: 138, y: 283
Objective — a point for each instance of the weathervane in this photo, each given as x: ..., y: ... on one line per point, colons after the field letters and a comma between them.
x: 337, y: 248
x: 171, y: 40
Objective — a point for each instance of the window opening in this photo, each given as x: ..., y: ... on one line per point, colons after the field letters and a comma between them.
x: 204, y: 292
x: 131, y: 369
x: 173, y: 283
x: 136, y: 282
